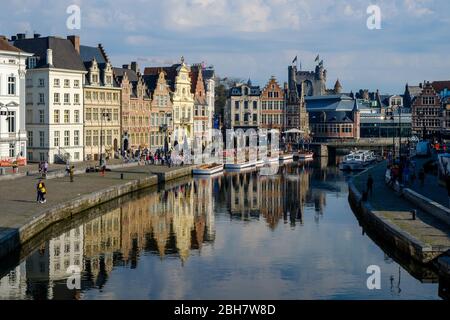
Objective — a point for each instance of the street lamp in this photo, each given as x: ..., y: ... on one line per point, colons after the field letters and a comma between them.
x: 103, y: 115
x: 164, y: 128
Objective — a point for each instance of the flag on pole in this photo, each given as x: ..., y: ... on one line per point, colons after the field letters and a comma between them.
x: 295, y: 60
x: 317, y: 58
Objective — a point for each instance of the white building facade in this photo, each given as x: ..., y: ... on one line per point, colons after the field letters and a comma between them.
x: 13, y: 134
x: 54, y: 100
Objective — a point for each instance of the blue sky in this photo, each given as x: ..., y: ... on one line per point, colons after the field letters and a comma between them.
x: 259, y: 38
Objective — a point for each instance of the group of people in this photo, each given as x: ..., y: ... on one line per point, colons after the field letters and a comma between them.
x: 158, y: 157
x: 43, y: 168
x: 403, y: 171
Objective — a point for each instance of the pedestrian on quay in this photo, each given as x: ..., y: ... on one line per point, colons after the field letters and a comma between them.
x: 41, y: 191
x: 71, y: 173
x: 102, y: 170
x: 45, y: 169
x: 370, y: 185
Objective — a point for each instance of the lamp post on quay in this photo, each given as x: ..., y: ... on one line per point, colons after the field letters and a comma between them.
x: 103, y: 115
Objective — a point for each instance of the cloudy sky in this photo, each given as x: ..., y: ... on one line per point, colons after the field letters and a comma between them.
x: 259, y: 38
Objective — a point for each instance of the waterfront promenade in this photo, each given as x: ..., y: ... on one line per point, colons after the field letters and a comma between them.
x: 22, y: 217
x: 430, y: 236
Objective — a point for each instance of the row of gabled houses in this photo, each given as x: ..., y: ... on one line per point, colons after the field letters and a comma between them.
x: 61, y: 100
x: 305, y: 106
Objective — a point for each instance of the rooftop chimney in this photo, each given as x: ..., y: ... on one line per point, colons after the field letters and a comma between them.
x: 36, y: 35
x: 134, y: 66
x: 125, y: 66
x: 13, y: 38
x: 21, y: 36
x: 75, y: 42
x: 50, y: 56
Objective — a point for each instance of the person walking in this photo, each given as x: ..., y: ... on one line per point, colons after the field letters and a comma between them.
x: 38, y: 191
x: 370, y: 185
x: 71, y: 173
x: 41, y: 192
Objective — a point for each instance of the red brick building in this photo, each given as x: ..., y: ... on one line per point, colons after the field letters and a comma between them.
x: 426, y: 112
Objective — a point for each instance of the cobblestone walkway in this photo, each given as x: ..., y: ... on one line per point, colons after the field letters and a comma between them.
x: 398, y: 210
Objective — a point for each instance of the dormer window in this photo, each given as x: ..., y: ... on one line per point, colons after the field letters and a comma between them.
x: 94, y: 78
x: 108, y: 80
x: 32, y: 62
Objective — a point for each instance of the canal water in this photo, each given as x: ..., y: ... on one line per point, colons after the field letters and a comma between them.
x: 235, y: 236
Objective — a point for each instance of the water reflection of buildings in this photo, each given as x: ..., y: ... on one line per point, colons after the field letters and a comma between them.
x: 276, y: 197
x: 173, y: 222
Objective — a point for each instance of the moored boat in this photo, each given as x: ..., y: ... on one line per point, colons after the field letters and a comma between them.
x: 305, y: 155
x: 208, y: 169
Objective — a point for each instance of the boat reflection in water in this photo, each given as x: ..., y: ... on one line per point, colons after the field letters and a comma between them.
x: 238, y: 235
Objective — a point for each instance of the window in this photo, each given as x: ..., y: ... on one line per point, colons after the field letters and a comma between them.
x: 116, y: 115
x: 31, y: 62
x: 76, y: 138
x: 66, y: 98
x: 12, y: 150
x: 109, y: 96
x: 88, y: 138
x: 56, y: 83
x: 236, y: 117
x: 76, y: 155
x: 76, y: 116
x: 56, y: 116
x: 41, y: 83
x: 88, y: 95
x: 56, y: 98
x: 41, y: 116
x: 56, y: 139
x: 246, y: 104
x: 88, y: 114
x: 76, y: 98
x: 30, y: 138
x: 95, y: 114
x: 428, y: 100
x: 66, y: 116
x: 102, y: 96
x: 66, y: 138
x: 95, y: 95
x: 95, y: 138
x: 109, y: 137
x: 30, y: 156
x: 11, y: 121
x: 41, y: 156
x: 41, y: 138
x: 41, y: 98
x: 94, y: 78
x: 255, y: 104
x: 76, y: 83
x: 66, y: 83
x: 11, y: 85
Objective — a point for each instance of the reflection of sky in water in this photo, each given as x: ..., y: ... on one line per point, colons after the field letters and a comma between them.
x: 324, y: 258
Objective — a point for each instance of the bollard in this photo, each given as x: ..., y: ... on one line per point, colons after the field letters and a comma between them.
x: 121, y: 176
x: 413, y: 213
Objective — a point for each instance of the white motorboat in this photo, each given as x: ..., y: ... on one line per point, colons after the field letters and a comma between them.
x: 208, y: 169
x: 286, y: 156
x: 305, y: 155
x: 240, y: 165
x: 357, y: 160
